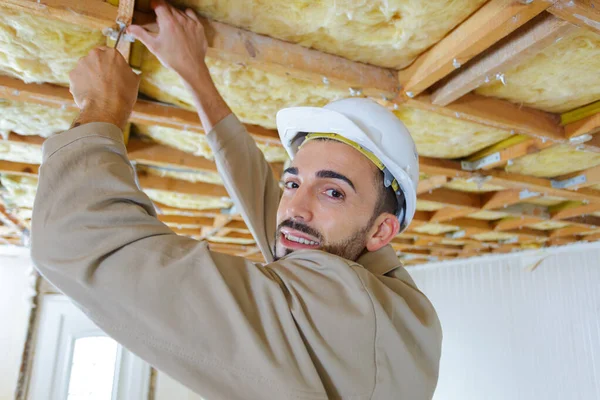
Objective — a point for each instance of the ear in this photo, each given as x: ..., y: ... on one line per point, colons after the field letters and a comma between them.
x: 384, y: 229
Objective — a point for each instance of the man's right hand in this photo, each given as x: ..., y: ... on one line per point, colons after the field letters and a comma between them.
x: 180, y: 43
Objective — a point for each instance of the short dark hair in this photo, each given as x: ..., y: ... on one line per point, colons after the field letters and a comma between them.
x: 387, y: 201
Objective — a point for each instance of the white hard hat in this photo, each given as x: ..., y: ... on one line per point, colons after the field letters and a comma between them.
x: 372, y: 127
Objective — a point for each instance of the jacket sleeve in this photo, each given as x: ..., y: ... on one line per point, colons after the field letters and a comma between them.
x: 248, y: 179
x: 201, y: 317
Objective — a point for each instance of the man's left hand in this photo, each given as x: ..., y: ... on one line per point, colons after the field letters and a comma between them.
x: 104, y: 87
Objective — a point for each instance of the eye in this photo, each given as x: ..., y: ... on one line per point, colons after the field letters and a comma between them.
x: 334, y: 194
x: 291, y: 185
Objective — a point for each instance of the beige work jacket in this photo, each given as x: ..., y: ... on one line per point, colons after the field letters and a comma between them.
x: 309, y: 326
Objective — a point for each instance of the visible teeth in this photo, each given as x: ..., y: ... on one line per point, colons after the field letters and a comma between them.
x: 300, y: 240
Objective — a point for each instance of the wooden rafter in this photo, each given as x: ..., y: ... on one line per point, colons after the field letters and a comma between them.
x: 452, y: 169
x: 146, y: 180
x: 498, y: 114
x: 530, y: 39
x: 573, y: 209
x: 90, y: 13
x: 490, y: 23
x: 588, y: 125
x: 583, y: 13
x: 506, y: 198
x: 433, y: 182
x: 500, y: 154
x: 144, y: 112
x: 578, y: 180
x: 238, y: 45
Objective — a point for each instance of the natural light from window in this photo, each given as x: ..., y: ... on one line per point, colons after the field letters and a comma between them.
x: 93, y: 369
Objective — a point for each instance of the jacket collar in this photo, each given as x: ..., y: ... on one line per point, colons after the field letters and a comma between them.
x: 380, y: 262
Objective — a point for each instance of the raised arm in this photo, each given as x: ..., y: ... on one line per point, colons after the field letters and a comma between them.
x: 199, y: 316
x: 180, y: 44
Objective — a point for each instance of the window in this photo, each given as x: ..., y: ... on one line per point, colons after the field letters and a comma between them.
x: 93, y: 369
x: 76, y: 360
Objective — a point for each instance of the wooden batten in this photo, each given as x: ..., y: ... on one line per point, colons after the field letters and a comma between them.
x: 530, y: 39
x: 489, y: 24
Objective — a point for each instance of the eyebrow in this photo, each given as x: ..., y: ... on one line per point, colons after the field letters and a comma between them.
x: 324, y: 174
x: 332, y: 174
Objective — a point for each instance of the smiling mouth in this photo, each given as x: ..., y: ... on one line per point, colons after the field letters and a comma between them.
x: 295, y: 240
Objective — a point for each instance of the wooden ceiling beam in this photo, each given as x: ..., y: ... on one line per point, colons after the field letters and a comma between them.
x: 501, y: 154
x: 585, y: 221
x: 578, y: 180
x: 22, y: 169
x: 450, y: 213
x: 583, y: 13
x: 505, y: 198
x: 431, y: 183
x: 96, y: 14
x: 573, y: 209
x: 148, y: 181
x: 186, y: 221
x: 529, y: 184
x: 144, y: 112
x: 232, y: 44
x: 516, y: 222
x: 483, y: 28
x: 586, y: 126
x: 152, y: 153
x: 523, y: 44
x: 569, y: 231
x: 453, y: 198
x: 591, y: 238
x: 497, y: 113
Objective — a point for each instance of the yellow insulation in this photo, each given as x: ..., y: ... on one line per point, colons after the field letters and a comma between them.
x: 19, y: 152
x: 592, y: 232
x: 33, y: 119
x: 494, y: 236
x: 254, y: 96
x: 426, y: 205
x: 489, y: 215
x: 196, y: 143
x: 37, y: 49
x: 546, y: 201
x: 549, y: 225
x: 191, y: 201
x: 389, y: 33
x: 554, y: 161
x: 436, y: 229
x: 19, y: 191
x: 444, y: 137
x: 560, y: 78
x: 230, y: 240
x: 472, y: 185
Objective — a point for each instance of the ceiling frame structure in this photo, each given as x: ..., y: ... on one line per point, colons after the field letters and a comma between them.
x: 440, y: 81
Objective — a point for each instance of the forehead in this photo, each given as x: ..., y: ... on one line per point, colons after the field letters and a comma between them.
x: 317, y: 155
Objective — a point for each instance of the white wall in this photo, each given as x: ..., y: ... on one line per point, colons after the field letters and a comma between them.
x: 513, y: 333
x: 169, y: 389
x: 14, y: 315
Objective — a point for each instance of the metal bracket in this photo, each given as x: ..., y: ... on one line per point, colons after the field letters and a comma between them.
x: 566, y: 183
x: 229, y: 211
x: 456, y: 235
x: 526, y: 194
x: 482, y: 162
x: 113, y: 34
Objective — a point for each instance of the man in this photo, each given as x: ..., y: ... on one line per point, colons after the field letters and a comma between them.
x: 332, y: 315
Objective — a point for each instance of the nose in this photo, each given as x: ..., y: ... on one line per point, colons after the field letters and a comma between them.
x: 299, y: 206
